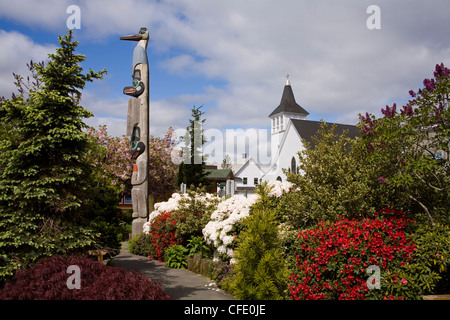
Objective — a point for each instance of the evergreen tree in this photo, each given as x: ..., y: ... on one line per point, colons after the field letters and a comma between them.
x: 261, y: 273
x: 192, y: 170
x: 43, y: 173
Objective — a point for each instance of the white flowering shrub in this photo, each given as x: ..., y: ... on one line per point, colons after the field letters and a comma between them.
x: 219, y: 231
x: 223, y: 225
x: 177, y: 202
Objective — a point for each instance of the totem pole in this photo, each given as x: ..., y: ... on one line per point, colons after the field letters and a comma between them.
x: 138, y: 129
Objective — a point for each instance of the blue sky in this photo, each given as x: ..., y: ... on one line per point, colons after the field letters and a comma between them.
x: 232, y: 56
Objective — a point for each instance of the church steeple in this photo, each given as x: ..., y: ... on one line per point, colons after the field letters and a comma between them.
x: 288, y: 109
x: 288, y: 105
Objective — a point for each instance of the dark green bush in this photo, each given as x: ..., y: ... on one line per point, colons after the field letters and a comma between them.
x: 175, y: 257
x: 139, y: 245
x: 198, y: 245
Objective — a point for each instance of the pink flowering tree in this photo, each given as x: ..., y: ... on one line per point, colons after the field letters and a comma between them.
x: 110, y: 156
x: 162, y: 170
x: 409, y: 147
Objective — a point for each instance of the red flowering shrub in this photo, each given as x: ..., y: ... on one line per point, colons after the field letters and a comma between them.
x: 47, y: 280
x: 332, y: 259
x: 162, y: 235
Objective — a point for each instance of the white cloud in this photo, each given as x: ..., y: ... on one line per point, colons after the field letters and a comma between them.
x: 16, y: 50
x: 47, y: 14
x: 338, y: 66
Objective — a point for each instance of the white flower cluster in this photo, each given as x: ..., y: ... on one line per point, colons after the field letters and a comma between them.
x: 229, y: 212
x: 223, y: 220
x: 277, y: 188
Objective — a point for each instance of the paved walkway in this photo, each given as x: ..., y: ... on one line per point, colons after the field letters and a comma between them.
x: 180, y: 284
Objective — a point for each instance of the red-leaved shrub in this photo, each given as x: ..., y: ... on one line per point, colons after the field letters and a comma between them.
x: 47, y: 280
x: 332, y: 259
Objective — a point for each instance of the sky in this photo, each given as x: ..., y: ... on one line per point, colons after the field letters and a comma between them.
x: 232, y: 56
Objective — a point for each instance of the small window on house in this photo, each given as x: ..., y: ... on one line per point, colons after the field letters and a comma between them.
x: 128, y: 200
x: 279, y: 179
x: 255, y: 181
x: 293, y: 165
x: 244, y: 180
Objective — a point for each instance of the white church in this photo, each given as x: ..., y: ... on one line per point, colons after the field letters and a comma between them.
x: 289, y: 125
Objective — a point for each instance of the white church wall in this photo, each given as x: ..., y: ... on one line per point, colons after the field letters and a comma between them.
x: 290, y: 145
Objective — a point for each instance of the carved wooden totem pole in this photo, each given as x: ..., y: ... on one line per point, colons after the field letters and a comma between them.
x: 138, y: 129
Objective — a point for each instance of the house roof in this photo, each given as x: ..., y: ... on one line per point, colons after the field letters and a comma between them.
x: 307, y: 129
x: 288, y: 104
x: 218, y: 174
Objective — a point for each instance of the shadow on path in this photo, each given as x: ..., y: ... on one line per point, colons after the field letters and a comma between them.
x: 179, y: 284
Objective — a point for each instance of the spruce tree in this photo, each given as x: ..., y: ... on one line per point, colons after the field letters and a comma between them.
x: 192, y: 169
x: 260, y: 273
x: 44, y: 177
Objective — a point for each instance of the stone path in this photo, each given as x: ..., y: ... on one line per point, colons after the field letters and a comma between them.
x: 180, y: 284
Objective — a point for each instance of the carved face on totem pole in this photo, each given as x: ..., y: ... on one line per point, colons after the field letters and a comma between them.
x: 139, y: 57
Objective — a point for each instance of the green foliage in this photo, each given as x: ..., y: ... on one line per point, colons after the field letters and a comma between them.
x: 410, y: 149
x: 139, y: 245
x: 222, y: 273
x: 44, y: 178
x: 193, y: 213
x: 198, y: 245
x: 260, y: 272
x: 428, y: 272
x: 192, y: 168
x: 175, y: 256
x: 335, y: 181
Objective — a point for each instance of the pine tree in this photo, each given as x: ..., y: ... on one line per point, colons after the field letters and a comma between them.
x: 261, y: 273
x: 43, y: 175
x: 192, y: 169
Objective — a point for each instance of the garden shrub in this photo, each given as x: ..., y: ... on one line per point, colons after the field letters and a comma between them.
x: 175, y: 256
x: 139, y: 245
x: 193, y: 213
x: 47, y: 280
x: 260, y: 272
x: 428, y: 272
x: 197, y: 245
x: 162, y: 235
x: 222, y: 274
x: 226, y: 223
x: 332, y: 259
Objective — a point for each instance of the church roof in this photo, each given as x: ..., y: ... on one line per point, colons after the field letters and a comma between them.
x: 307, y: 129
x: 288, y: 104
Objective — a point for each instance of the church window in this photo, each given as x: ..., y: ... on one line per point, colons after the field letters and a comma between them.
x: 279, y: 179
x: 293, y: 165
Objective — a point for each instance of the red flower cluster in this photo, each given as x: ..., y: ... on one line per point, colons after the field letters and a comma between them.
x: 332, y: 258
x: 162, y: 235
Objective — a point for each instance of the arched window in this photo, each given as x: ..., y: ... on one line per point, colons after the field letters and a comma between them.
x: 293, y: 165
x: 279, y: 179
